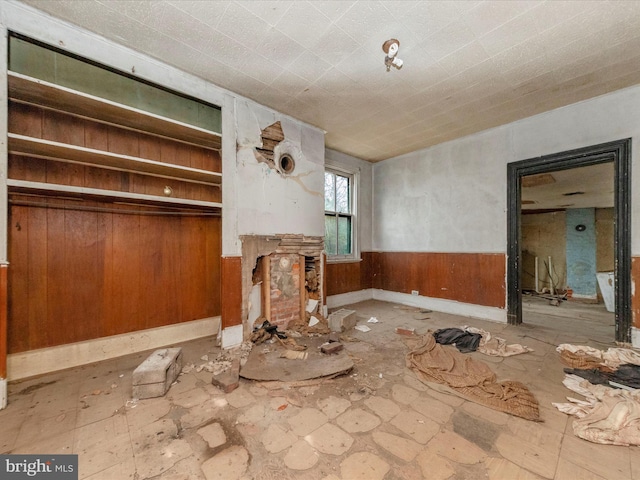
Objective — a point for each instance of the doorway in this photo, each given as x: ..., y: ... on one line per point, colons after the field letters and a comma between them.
x: 618, y: 153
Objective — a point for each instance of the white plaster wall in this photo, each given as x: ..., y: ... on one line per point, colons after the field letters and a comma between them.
x: 268, y: 202
x: 364, y: 202
x: 452, y: 197
x: 448, y: 198
x: 599, y: 120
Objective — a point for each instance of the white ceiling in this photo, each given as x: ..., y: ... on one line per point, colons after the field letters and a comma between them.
x: 468, y: 65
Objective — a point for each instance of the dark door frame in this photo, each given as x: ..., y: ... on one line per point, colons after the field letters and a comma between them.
x: 618, y: 152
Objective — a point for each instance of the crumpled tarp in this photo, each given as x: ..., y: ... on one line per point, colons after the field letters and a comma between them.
x: 472, y: 378
x: 464, y: 341
x: 581, y: 356
x: 496, y: 346
x: 608, y: 416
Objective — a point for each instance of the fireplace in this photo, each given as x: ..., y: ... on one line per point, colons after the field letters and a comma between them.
x: 282, y: 278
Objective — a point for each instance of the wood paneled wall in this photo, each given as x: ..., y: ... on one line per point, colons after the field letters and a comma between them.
x: 350, y: 276
x: 635, y: 292
x: 3, y: 321
x: 78, y: 274
x: 59, y: 127
x: 231, y: 291
x: 476, y: 278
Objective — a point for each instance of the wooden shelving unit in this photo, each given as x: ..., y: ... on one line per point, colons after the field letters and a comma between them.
x: 27, y: 187
x: 25, y: 89
x: 36, y: 147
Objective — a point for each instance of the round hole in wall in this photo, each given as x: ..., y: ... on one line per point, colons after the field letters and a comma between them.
x: 581, y: 228
x: 286, y: 163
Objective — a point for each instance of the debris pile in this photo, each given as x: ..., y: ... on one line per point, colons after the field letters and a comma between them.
x: 264, y: 331
x: 222, y: 362
x: 609, y: 381
x: 470, y: 339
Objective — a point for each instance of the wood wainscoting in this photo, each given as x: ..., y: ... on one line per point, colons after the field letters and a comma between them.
x: 635, y: 292
x: 3, y: 324
x: 345, y: 277
x: 474, y: 278
x: 231, y: 291
x: 85, y: 270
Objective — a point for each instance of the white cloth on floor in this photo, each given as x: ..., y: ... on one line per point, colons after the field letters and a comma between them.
x: 496, y: 346
x: 608, y: 416
x: 613, y: 357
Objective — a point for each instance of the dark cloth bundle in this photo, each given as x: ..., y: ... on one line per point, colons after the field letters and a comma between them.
x: 627, y: 374
x: 464, y: 341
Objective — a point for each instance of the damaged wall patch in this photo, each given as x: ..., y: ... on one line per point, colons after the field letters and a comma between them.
x: 275, y: 151
x: 271, y: 137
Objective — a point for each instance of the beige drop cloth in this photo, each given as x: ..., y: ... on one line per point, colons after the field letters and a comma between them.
x: 433, y: 362
x: 608, y: 416
x: 496, y: 346
x: 581, y: 356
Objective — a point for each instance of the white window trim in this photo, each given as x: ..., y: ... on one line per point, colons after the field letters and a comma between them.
x: 355, y: 244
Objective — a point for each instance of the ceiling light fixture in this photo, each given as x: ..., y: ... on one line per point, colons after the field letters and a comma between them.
x: 391, y: 47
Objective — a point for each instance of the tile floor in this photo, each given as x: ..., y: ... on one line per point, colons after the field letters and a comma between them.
x: 377, y: 422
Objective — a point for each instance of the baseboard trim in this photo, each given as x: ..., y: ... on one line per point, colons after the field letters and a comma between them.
x: 3, y: 393
x: 335, y: 301
x: 493, y: 314
x: 635, y: 337
x: 45, y: 360
x: 232, y: 336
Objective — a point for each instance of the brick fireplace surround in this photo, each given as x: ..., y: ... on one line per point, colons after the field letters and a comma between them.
x: 290, y: 270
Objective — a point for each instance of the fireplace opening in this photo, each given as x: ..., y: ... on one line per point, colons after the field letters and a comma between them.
x: 284, y: 283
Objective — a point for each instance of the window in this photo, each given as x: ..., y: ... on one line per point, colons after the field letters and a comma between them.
x: 339, y: 215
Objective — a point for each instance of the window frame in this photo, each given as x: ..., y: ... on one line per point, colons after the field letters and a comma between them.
x: 353, y: 177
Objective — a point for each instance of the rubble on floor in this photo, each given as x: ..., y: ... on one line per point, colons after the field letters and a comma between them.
x: 266, y: 363
x: 376, y: 420
x: 342, y: 320
x: 154, y: 376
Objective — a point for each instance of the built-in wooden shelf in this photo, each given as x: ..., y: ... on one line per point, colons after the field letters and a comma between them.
x: 25, y: 89
x: 39, y: 148
x: 23, y: 186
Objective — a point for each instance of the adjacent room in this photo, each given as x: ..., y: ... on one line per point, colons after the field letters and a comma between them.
x: 320, y: 239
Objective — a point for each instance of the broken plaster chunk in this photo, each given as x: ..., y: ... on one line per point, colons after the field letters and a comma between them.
x: 373, y: 320
x: 405, y: 331
x: 364, y: 328
x: 228, y: 380
x: 154, y: 376
x: 311, y: 305
x: 342, y: 320
x: 313, y: 321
